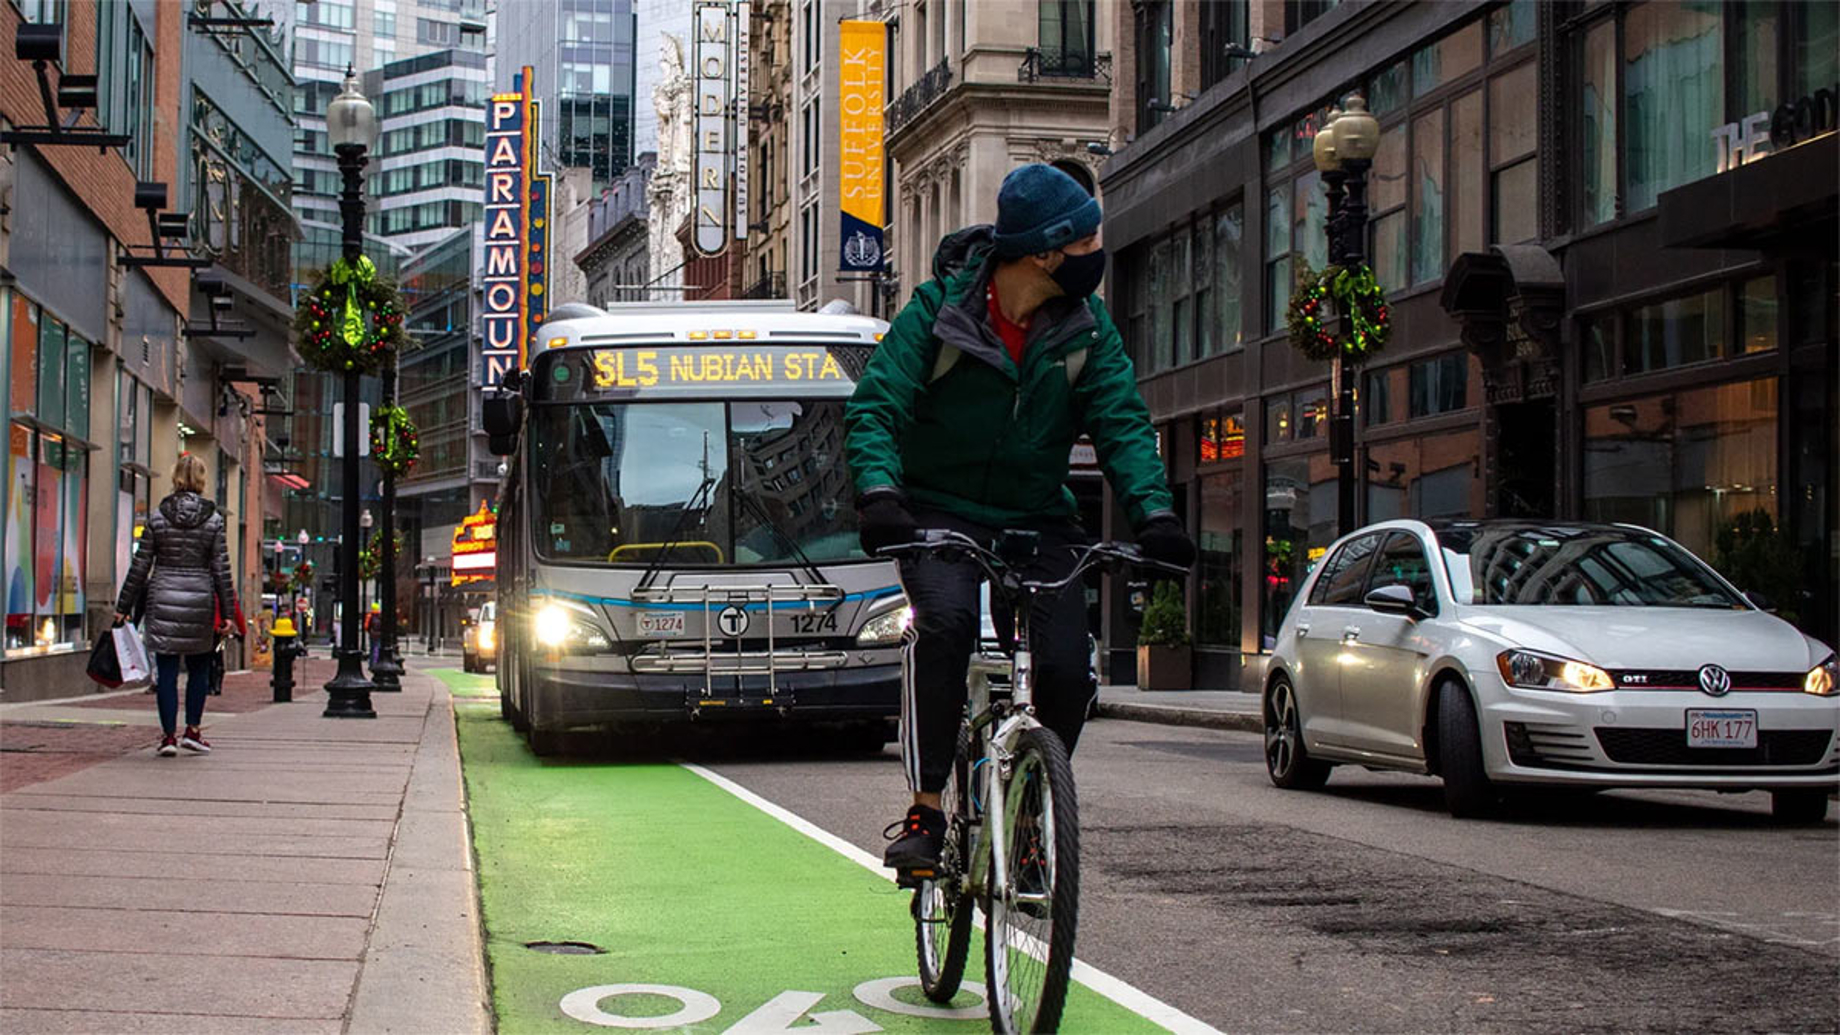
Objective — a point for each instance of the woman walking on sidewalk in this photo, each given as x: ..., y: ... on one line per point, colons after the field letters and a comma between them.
x: 183, y: 569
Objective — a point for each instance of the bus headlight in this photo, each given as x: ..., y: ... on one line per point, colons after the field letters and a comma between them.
x: 486, y: 635
x: 556, y: 629
x: 885, y: 629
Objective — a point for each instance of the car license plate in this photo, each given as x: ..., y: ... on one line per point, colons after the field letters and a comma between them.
x: 661, y: 623
x: 1711, y: 728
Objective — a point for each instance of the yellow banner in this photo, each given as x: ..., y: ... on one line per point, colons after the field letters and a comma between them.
x: 862, y: 75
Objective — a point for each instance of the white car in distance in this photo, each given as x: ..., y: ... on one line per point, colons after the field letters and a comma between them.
x: 1546, y: 653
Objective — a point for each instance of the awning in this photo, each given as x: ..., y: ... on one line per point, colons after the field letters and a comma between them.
x: 1782, y: 202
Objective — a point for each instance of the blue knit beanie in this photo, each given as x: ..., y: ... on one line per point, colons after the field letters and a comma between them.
x: 1039, y: 209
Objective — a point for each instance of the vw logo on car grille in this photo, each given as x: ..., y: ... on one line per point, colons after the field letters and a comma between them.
x: 1714, y: 680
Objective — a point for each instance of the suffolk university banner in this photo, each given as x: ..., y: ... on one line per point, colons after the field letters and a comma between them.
x: 861, y: 72
x: 516, y: 235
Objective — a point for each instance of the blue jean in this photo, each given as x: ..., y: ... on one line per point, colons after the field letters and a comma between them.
x: 166, y: 684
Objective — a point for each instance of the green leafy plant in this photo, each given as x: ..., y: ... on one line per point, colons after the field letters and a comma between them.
x: 1752, y: 551
x: 1165, y: 621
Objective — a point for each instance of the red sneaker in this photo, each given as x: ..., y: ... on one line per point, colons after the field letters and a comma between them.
x: 168, y: 746
x: 191, y: 741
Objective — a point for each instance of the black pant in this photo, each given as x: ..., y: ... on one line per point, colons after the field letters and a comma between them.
x: 944, y: 595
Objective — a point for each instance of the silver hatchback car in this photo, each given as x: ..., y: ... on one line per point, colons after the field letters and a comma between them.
x: 1546, y: 653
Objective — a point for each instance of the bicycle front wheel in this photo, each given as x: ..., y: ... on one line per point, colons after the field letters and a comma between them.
x: 1034, y: 903
x: 942, y: 905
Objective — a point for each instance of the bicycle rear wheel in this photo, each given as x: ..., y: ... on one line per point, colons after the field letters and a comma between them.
x: 942, y: 906
x: 1034, y: 906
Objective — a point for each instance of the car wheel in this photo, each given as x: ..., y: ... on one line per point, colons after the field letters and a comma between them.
x: 1468, y: 793
x: 1287, y: 761
x: 1800, y: 806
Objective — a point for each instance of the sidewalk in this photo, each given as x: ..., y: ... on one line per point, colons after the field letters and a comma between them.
x: 1213, y: 709
x: 309, y: 875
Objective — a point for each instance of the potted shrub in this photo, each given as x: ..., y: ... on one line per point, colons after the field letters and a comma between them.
x: 1163, y: 656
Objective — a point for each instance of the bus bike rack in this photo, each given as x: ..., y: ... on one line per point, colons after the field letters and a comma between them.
x: 740, y: 663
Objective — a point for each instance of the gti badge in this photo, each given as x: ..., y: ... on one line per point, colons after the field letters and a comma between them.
x: 1714, y: 680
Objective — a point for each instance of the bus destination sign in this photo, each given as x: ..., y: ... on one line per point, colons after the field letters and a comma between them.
x: 748, y: 370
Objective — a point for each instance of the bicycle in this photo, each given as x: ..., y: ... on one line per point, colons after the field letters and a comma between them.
x: 1012, y: 839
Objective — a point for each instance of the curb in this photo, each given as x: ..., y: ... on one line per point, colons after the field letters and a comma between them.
x: 1251, y: 722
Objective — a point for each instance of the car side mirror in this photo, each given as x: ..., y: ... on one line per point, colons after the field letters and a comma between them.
x: 1760, y: 602
x: 1393, y: 600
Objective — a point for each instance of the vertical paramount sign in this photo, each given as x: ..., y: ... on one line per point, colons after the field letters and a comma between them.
x: 862, y: 71
x: 516, y: 234
x: 714, y: 131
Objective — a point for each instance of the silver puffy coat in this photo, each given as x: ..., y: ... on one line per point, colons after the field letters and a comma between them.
x: 183, y: 568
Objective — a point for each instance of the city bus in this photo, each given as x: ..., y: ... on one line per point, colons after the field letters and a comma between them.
x: 676, y: 527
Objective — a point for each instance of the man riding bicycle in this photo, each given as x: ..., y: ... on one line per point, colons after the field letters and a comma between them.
x: 964, y: 420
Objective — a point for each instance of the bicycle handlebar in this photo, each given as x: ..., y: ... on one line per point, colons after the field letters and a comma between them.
x: 947, y: 541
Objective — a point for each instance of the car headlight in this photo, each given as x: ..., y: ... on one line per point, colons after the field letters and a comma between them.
x: 556, y: 629
x: 1530, y: 671
x: 486, y: 634
x: 1823, y: 678
x: 886, y: 628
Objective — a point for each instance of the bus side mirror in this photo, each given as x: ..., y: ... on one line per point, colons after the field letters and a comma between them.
x: 501, y: 413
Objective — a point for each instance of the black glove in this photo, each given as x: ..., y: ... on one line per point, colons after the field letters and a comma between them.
x: 1163, y: 539
x: 882, y: 520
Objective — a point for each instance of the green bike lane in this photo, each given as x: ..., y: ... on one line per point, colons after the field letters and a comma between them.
x: 713, y: 910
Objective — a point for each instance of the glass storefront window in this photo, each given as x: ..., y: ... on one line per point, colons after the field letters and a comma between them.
x: 1299, y: 526
x: 1310, y: 409
x: 1277, y: 255
x: 1673, y: 94
x: 1448, y: 59
x: 1222, y: 437
x: 1686, y: 464
x: 1754, y: 46
x: 1278, y: 420
x: 1218, y: 566
x: 1757, y: 315
x: 1377, y: 402
x: 1428, y: 196
x: 1229, y: 228
x: 1599, y: 104
x: 1676, y: 332
x: 1426, y: 477
x: 1817, y: 47
x: 1466, y: 151
x: 1310, y: 215
x: 1598, y: 337
x: 1510, y: 26
x: 1386, y: 92
x: 1439, y: 385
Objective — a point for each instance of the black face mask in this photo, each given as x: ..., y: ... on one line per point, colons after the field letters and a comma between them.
x: 1079, y: 275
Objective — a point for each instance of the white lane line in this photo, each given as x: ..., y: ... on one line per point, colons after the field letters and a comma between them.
x: 1117, y: 990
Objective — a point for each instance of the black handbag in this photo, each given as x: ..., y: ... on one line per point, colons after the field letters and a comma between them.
x: 104, y: 666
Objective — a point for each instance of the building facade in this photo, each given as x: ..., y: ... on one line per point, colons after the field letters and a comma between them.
x: 116, y: 364
x: 581, y: 52
x: 615, y: 264
x: 1598, y: 312
x: 978, y: 89
x: 769, y: 99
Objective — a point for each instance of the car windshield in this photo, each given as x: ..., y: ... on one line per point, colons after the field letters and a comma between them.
x: 1577, y: 566
x: 488, y: 611
x: 693, y: 483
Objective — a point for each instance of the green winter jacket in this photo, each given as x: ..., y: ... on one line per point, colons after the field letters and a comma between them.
x: 943, y: 413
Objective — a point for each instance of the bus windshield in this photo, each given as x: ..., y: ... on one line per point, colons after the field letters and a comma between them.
x: 757, y: 481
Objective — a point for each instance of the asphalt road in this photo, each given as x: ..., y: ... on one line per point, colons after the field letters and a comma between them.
x: 1366, y: 908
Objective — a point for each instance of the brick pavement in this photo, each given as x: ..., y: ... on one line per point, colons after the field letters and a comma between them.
x: 309, y: 875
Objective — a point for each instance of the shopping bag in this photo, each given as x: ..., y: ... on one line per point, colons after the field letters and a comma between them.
x: 131, y: 654
x: 104, y: 667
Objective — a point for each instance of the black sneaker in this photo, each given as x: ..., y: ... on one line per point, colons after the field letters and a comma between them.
x: 915, y: 841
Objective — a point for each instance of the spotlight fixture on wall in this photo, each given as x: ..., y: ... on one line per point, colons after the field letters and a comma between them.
x: 43, y: 45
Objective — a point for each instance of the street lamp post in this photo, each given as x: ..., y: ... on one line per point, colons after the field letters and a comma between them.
x: 351, y: 125
x: 1343, y: 151
x: 387, y: 670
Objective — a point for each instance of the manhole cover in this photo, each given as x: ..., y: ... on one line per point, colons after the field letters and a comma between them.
x: 566, y: 948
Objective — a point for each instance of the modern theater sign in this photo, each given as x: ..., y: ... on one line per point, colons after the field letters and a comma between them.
x: 719, y: 160
x: 1766, y: 132
x: 516, y: 233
